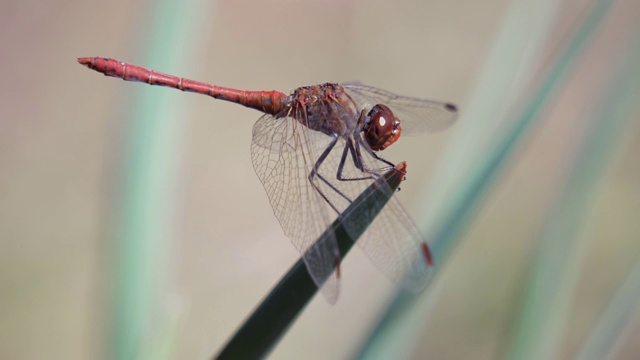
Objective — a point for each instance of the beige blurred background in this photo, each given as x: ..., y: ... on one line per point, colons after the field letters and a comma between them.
x: 63, y: 135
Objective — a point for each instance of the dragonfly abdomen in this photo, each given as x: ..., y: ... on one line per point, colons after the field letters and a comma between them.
x: 270, y: 102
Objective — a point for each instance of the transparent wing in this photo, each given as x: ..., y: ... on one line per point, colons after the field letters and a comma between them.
x: 396, y: 247
x: 269, y: 136
x: 283, y: 155
x: 392, y: 241
x: 417, y: 115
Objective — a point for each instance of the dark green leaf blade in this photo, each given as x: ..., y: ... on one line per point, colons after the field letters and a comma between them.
x: 278, y: 310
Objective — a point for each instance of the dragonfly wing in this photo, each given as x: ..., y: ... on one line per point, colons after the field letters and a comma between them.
x: 417, y: 115
x: 396, y: 247
x: 392, y: 241
x: 277, y: 135
x: 283, y: 156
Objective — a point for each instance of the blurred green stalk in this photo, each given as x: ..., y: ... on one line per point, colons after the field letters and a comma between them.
x: 269, y: 322
x: 396, y: 333
x: 544, y: 317
x: 145, y: 213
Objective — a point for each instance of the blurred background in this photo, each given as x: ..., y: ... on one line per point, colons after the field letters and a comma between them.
x: 132, y: 224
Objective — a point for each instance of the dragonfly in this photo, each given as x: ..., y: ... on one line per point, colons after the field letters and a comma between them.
x: 315, y: 150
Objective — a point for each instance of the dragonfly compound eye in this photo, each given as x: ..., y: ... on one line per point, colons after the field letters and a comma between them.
x: 382, y: 129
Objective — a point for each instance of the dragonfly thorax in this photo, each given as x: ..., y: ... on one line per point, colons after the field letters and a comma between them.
x: 326, y: 108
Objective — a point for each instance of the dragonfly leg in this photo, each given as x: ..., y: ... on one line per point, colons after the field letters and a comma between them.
x: 349, y: 148
x: 324, y: 180
x: 358, y: 142
x: 315, y: 173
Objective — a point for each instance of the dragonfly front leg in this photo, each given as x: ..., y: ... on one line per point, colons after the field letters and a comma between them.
x: 353, y: 146
x: 349, y: 148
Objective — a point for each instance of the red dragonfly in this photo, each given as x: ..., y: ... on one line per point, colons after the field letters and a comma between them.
x: 315, y: 151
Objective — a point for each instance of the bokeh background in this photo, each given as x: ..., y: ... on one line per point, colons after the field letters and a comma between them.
x: 132, y: 224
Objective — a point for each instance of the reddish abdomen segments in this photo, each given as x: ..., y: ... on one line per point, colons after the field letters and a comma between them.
x: 270, y: 102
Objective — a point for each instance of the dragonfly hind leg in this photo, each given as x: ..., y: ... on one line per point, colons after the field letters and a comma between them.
x: 315, y: 173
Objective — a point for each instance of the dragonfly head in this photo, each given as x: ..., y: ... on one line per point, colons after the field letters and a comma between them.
x: 382, y: 128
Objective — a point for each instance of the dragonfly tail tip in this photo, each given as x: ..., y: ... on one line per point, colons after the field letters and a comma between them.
x: 84, y: 61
